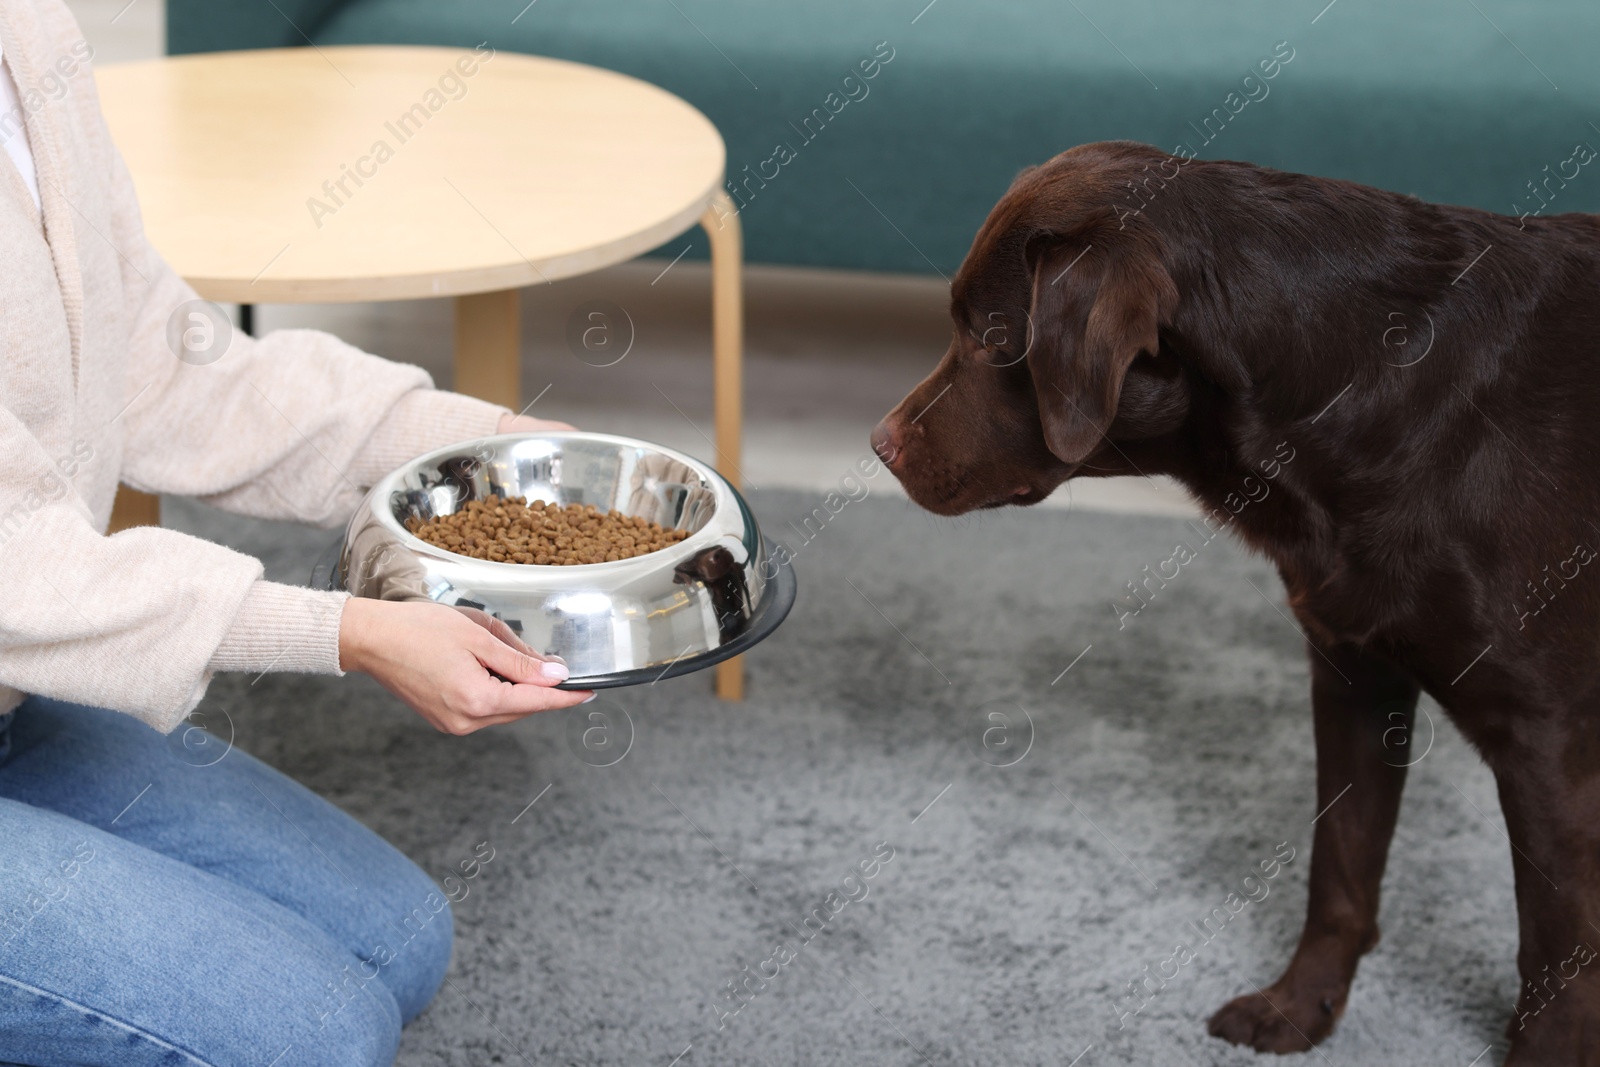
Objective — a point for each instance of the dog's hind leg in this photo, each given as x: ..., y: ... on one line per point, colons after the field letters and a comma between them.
x: 1548, y: 770
x: 1363, y: 709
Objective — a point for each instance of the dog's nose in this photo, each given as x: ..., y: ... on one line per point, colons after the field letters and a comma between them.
x: 885, y: 443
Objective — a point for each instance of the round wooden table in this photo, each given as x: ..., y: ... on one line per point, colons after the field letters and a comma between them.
x: 318, y: 175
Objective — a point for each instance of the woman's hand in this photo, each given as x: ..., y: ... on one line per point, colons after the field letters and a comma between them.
x: 528, y: 424
x: 437, y: 659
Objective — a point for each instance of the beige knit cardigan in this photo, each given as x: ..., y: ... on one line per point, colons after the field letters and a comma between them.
x: 293, y: 426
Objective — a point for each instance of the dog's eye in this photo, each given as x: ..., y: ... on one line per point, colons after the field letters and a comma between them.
x: 991, y: 340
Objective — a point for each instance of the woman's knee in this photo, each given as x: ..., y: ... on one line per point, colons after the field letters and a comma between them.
x: 299, y: 1003
x: 315, y: 1006
x: 355, y: 1022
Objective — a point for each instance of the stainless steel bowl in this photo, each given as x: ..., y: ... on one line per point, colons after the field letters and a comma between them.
x: 685, y: 607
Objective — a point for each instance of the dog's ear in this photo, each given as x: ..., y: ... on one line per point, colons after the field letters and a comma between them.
x: 1094, y: 309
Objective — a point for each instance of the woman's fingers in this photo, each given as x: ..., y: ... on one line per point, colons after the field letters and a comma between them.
x: 508, y: 702
x: 504, y: 632
x: 497, y: 627
x: 515, y: 665
x: 440, y: 661
x: 518, y: 701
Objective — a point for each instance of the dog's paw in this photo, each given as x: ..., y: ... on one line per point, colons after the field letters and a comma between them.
x: 1276, y: 1020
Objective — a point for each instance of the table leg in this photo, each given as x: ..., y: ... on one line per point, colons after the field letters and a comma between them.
x: 489, y: 347
x: 133, y: 508
x: 721, y: 223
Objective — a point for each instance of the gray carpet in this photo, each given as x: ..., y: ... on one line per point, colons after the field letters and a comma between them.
x: 1166, y: 763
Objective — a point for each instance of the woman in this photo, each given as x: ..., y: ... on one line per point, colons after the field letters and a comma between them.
x: 153, y: 912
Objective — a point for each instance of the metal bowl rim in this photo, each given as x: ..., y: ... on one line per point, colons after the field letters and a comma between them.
x: 722, y: 491
x: 777, y: 600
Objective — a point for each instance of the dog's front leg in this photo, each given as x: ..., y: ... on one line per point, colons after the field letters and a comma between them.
x: 1363, y: 710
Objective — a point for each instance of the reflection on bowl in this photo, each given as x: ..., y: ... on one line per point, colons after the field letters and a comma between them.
x: 677, y: 609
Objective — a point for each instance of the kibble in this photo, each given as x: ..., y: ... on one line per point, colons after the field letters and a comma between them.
x: 512, y: 530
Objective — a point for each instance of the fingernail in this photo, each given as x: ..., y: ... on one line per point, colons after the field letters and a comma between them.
x: 551, y: 669
x: 555, y: 658
x: 588, y: 698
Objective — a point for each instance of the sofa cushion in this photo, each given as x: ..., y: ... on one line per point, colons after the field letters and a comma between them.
x: 1427, y: 97
x: 225, y: 25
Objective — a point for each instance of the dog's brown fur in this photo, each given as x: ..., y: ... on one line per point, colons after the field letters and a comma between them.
x: 1123, y: 311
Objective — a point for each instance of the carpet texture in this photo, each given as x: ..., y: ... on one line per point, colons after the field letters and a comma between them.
x: 1020, y: 901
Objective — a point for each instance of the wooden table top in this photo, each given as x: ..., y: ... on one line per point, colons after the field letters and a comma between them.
x: 308, y: 175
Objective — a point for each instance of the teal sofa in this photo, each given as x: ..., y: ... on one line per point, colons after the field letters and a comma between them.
x: 1480, y: 102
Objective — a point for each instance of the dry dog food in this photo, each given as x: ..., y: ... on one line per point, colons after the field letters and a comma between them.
x: 511, y: 530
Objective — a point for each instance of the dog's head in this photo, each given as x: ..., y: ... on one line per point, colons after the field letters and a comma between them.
x: 1063, y: 292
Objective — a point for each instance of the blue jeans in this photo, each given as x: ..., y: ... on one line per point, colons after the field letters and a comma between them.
x: 159, y: 905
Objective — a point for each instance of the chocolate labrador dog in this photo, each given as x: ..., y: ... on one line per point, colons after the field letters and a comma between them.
x: 1434, y: 373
